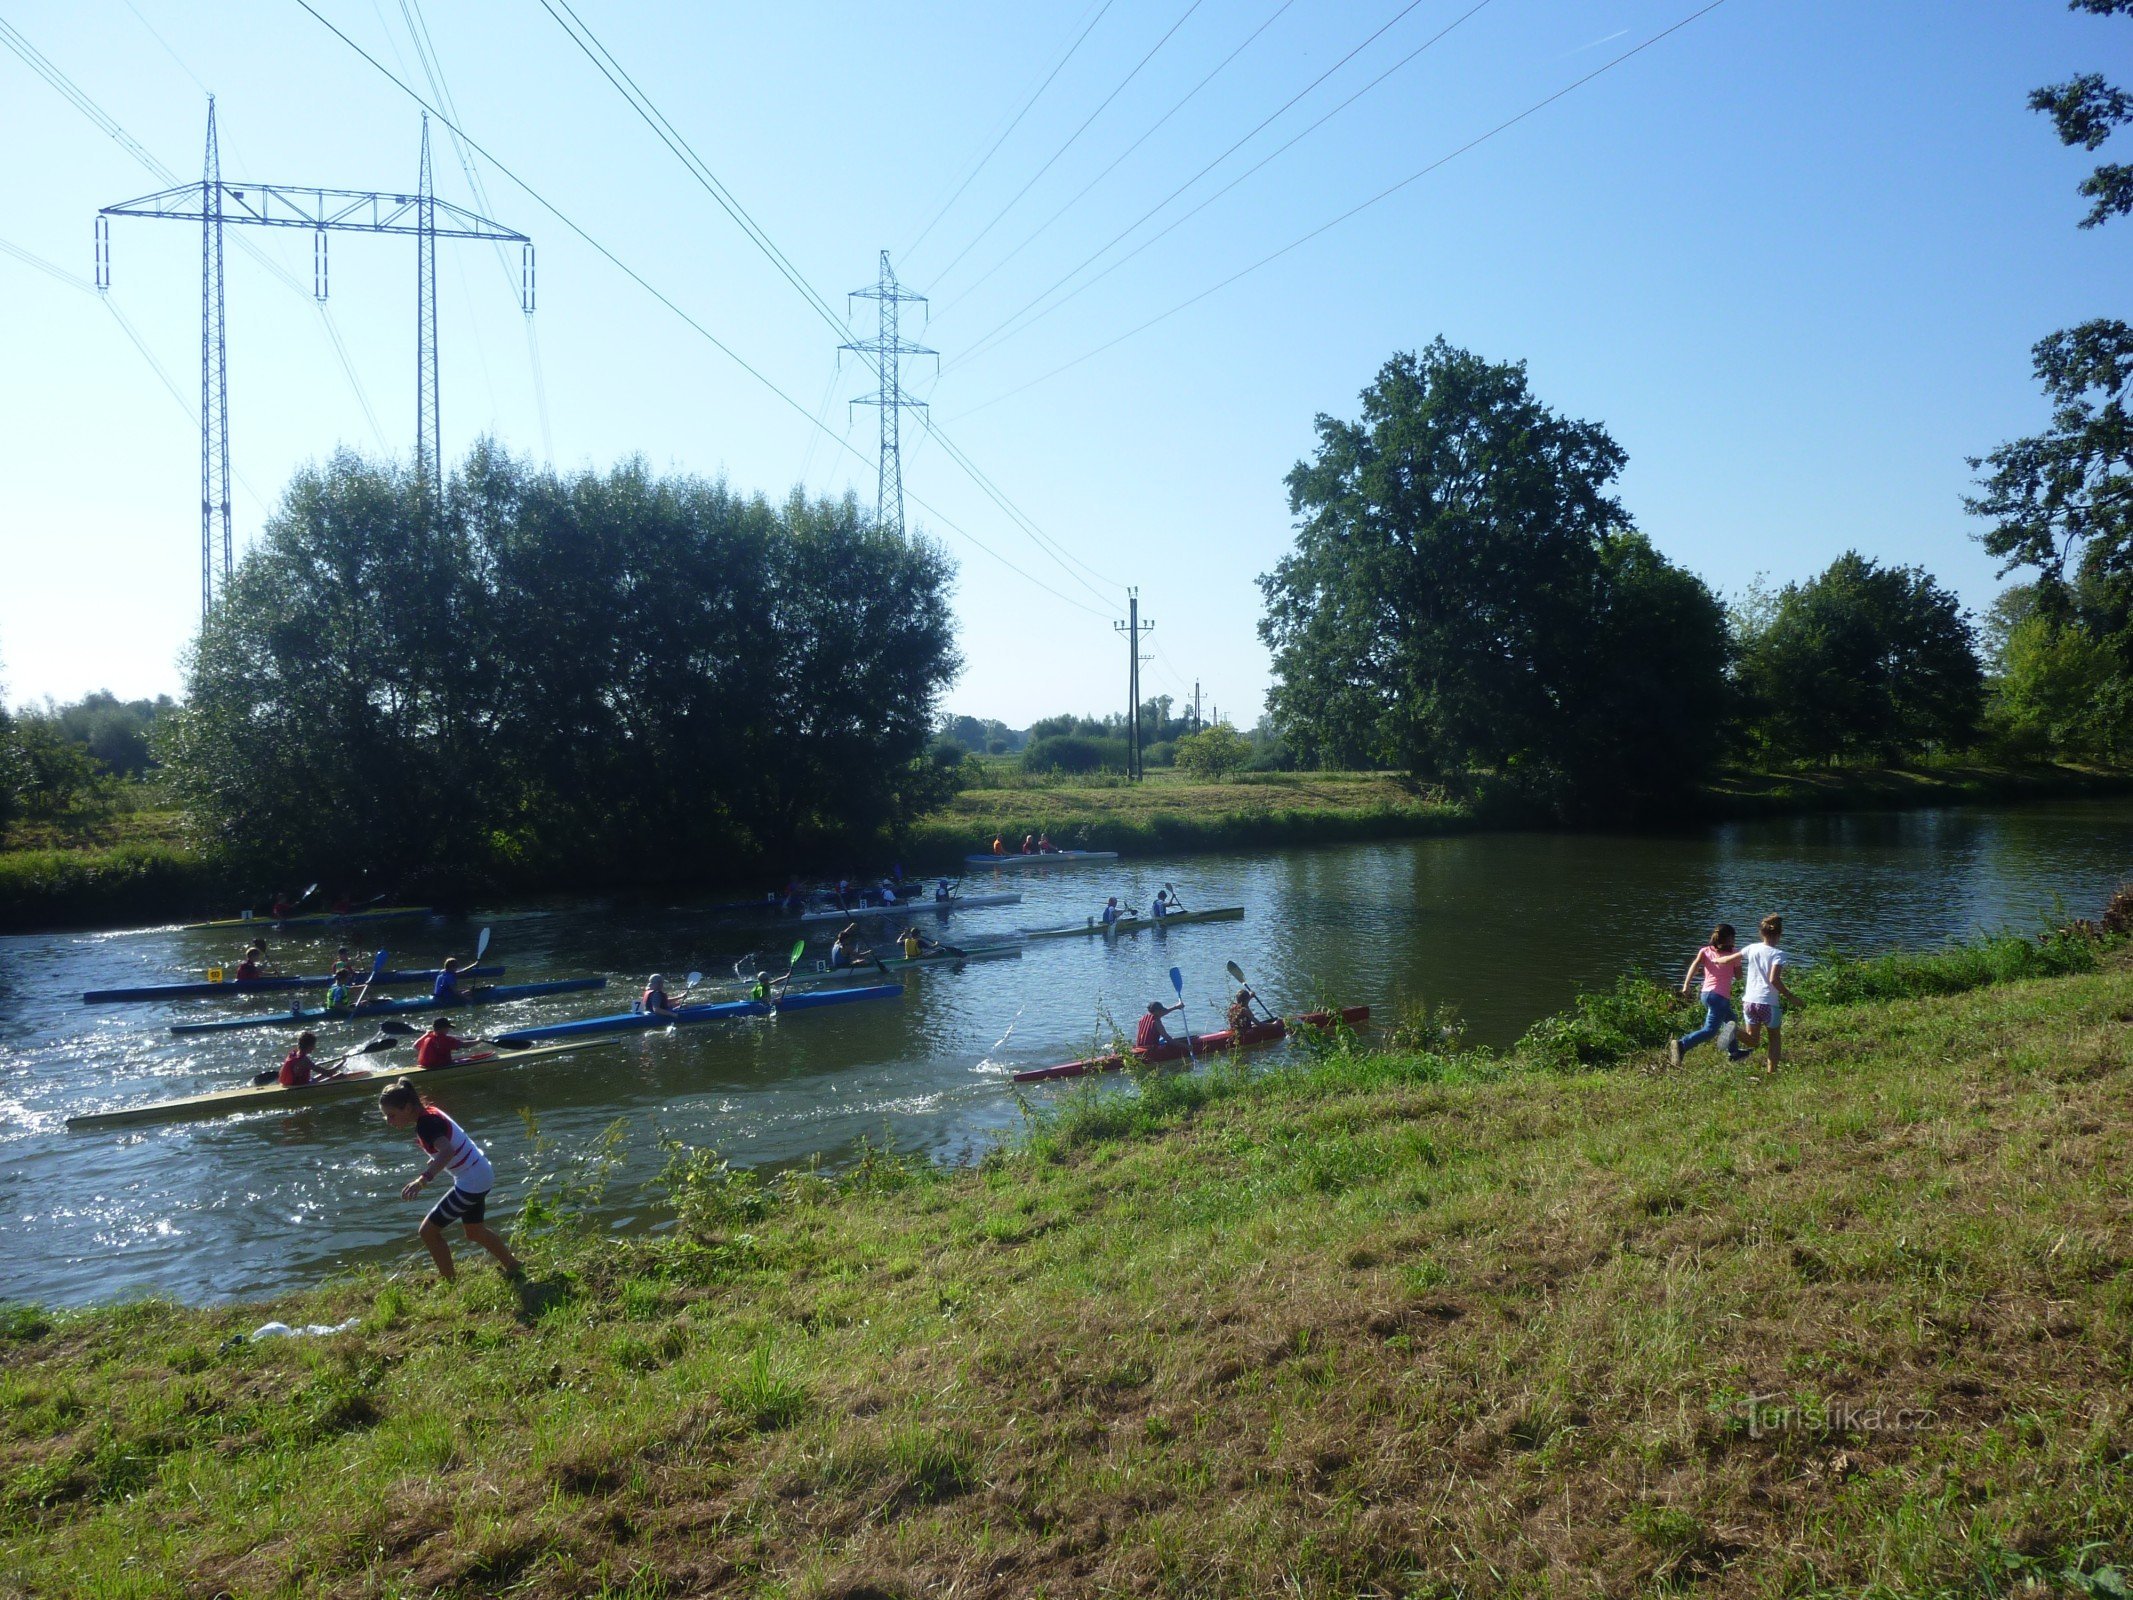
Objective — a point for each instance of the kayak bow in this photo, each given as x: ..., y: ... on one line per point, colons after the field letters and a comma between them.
x: 317, y: 919
x: 494, y: 995
x: 213, y: 991
x: 1136, y: 924
x: 686, y: 1016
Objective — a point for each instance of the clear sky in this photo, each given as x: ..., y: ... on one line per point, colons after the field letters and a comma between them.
x: 1792, y: 255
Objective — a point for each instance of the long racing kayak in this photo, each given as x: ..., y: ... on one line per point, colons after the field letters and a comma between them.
x: 491, y: 995
x: 1042, y: 858
x: 685, y: 1016
x: 356, y: 1082
x: 912, y: 907
x: 1136, y: 924
x: 1205, y: 1044
x: 214, y: 991
x: 317, y: 918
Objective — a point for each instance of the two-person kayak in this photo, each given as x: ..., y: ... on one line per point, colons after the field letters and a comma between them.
x: 686, y: 1016
x: 1041, y: 858
x: 236, y: 986
x: 341, y: 1086
x: 914, y: 907
x: 488, y: 995
x: 1270, y: 1032
x: 1134, y: 924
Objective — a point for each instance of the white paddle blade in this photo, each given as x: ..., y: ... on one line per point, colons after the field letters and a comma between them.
x: 481, y: 945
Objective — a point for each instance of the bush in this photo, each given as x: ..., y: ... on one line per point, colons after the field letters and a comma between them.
x: 1214, y: 752
x: 1599, y: 1030
x: 1074, y: 753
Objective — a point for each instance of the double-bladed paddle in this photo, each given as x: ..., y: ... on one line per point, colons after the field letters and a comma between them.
x: 799, y: 949
x: 1237, y: 972
x: 331, y: 1068
x: 1177, y: 982
x: 1175, y: 903
x: 377, y: 965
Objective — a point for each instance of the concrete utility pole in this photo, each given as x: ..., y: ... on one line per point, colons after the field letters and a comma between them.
x: 1133, y: 627
x: 1196, y: 705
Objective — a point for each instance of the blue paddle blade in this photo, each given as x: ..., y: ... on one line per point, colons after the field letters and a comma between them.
x: 1177, y: 982
x: 377, y: 964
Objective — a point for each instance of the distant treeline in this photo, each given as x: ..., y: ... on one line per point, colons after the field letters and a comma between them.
x: 541, y: 677
x: 61, y: 761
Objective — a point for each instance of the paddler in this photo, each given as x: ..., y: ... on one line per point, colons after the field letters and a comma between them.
x: 655, y: 1002
x: 253, y: 965
x: 1152, y: 1035
x: 338, y: 1000
x: 888, y: 892
x: 1241, y: 1015
x: 1111, y: 913
x: 283, y: 906
x: 445, y: 991
x: 943, y: 892
x: 342, y: 905
x: 1029, y: 844
x: 434, y: 1048
x: 1162, y: 907
x: 1045, y: 846
x: 845, y: 953
x: 298, y: 1067
x: 999, y: 844
x: 759, y: 991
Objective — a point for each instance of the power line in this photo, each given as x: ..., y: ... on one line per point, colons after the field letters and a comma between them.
x: 1146, y: 134
x: 1035, y: 93
x: 645, y: 284
x: 1069, y: 143
x: 981, y: 343
x: 1383, y: 194
x: 678, y: 145
x: 1279, y: 150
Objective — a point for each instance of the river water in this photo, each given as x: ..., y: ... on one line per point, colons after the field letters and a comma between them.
x: 1505, y: 927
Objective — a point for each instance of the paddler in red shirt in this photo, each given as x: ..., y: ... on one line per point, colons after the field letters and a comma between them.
x: 1151, y: 1034
x: 434, y: 1049
x: 254, y: 963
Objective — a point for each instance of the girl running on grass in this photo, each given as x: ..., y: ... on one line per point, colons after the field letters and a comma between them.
x: 1719, y: 963
x: 449, y: 1149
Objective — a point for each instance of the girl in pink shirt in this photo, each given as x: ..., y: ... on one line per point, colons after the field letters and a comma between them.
x: 1718, y: 961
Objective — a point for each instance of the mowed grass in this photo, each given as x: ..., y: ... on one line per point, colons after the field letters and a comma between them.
x: 1386, y: 1323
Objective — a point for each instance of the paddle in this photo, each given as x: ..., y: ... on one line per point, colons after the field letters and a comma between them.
x: 481, y: 946
x: 689, y: 981
x: 799, y: 949
x: 1251, y: 994
x: 331, y: 1068
x: 377, y: 965
x: 1175, y: 903
x: 307, y: 894
x: 1177, y: 982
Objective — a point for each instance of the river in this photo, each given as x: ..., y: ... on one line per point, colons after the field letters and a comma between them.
x: 1505, y: 927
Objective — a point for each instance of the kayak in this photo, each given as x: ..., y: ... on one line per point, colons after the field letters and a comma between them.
x: 1206, y: 1044
x: 492, y: 995
x: 955, y: 902
x: 316, y: 918
x: 1136, y: 924
x: 214, y: 991
x: 353, y: 1083
x: 976, y: 952
x: 1042, y: 858
x: 685, y: 1016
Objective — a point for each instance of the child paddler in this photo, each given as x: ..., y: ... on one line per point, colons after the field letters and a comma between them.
x: 449, y: 1150
x: 434, y: 1048
x: 254, y: 964
x: 299, y: 1067
x: 655, y: 1001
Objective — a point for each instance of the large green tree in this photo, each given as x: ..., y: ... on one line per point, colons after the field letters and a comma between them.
x: 585, y: 676
x: 1862, y: 661
x: 2060, y: 503
x: 1467, y: 595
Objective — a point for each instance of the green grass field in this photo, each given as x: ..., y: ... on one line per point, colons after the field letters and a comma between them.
x: 1392, y: 1322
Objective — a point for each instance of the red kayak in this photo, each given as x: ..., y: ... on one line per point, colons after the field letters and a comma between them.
x: 1203, y: 1044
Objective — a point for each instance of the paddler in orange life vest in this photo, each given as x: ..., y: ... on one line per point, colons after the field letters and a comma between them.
x: 298, y: 1068
x: 1152, y: 1035
x: 434, y: 1049
x: 999, y: 845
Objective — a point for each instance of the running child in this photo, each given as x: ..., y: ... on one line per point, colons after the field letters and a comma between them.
x: 449, y: 1150
x: 1767, y: 994
x: 1720, y: 964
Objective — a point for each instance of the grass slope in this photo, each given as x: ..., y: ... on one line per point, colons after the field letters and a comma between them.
x: 1369, y: 1323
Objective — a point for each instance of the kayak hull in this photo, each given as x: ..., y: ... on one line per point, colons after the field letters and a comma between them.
x: 687, y: 1016
x: 495, y: 995
x: 317, y: 919
x: 352, y: 1084
x: 1043, y: 858
x: 236, y: 986
x: 1205, y: 1044
x: 1125, y: 925
x: 939, y: 908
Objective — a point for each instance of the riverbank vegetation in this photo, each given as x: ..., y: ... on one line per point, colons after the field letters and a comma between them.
x: 1411, y: 1319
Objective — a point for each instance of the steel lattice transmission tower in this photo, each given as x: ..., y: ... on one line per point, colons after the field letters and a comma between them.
x: 886, y: 352
x: 211, y: 203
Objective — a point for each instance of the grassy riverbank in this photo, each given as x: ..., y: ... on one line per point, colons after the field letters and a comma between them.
x: 1403, y: 1321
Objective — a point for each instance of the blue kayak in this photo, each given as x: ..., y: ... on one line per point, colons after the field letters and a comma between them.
x: 313, y: 980
x: 493, y: 995
x: 722, y: 1011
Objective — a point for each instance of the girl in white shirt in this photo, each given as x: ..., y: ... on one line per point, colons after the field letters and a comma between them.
x: 1763, y: 966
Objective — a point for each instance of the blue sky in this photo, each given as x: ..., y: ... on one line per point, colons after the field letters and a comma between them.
x: 1793, y: 256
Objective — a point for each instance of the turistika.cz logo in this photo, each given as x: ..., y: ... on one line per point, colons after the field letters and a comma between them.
x: 1775, y: 1413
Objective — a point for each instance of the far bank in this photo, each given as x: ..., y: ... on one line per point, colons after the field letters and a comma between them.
x: 152, y: 871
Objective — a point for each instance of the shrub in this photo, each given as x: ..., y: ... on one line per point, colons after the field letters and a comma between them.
x: 1214, y: 752
x: 1074, y: 753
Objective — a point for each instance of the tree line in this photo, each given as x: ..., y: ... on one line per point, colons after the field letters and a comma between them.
x: 531, y: 676
x: 68, y: 762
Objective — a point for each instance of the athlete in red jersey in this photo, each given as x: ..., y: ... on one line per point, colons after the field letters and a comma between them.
x: 434, y: 1049
x: 1151, y: 1034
